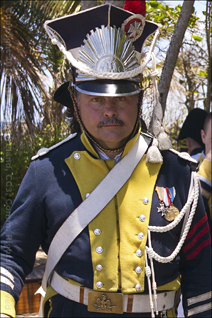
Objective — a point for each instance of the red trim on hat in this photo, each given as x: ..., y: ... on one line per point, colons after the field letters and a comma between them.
x: 136, y: 6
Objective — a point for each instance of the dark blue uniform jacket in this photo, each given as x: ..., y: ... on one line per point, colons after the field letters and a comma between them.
x: 47, y: 196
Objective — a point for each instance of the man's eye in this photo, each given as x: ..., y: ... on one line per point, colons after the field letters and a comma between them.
x: 96, y: 99
x: 120, y: 98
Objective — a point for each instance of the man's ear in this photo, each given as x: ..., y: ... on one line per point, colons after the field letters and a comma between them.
x: 202, y: 135
x: 188, y: 142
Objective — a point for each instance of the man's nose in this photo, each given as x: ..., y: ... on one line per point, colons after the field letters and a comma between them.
x: 110, y: 109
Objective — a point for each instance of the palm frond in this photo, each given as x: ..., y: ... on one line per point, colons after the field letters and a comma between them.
x: 27, y: 55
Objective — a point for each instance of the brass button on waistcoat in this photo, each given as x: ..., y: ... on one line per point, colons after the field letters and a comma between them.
x: 138, y: 287
x: 99, y: 267
x: 142, y: 218
x: 99, y: 249
x: 145, y: 200
x: 97, y: 232
x: 138, y: 270
x: 99, y: 284
x: 140, y: 236
x: 139, y: 253
x: 76, y: 156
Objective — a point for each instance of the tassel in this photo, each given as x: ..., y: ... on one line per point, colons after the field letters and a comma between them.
x: 153, y: 154
x: 136, y: 6
x: 163, y: 140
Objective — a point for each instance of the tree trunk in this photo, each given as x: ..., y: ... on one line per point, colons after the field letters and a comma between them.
x: 117, y: 3
x: 208, y: 26
x: 173, y: 51
x: 86, y: 4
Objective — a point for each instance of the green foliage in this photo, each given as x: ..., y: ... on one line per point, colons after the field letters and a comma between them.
x: 28, y: 58
x: 154, y: 4
x: 202, y: 73
x: 15, y: 157
x: 197, y: 38
x: 166, y: 17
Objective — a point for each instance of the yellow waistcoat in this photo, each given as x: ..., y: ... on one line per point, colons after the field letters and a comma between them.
x: 118, y: 234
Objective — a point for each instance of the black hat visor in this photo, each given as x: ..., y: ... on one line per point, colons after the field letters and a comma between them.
x: 110, y: 88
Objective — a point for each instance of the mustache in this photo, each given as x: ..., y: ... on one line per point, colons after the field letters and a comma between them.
x: 107, y: 121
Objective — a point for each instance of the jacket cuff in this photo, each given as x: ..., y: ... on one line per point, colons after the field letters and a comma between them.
x: 7, y: 304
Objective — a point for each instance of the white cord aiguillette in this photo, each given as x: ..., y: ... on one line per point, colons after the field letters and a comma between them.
x: 188, y: 213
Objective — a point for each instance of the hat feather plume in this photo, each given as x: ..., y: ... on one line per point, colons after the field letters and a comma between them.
x: 136, y: 6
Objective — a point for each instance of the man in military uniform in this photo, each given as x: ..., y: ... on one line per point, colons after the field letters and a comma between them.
x: 117, y: 211
x: 191, y: 132
x: 204, y: 170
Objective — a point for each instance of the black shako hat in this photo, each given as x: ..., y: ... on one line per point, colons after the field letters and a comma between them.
x: 103, y: 44
x: 193, y: 124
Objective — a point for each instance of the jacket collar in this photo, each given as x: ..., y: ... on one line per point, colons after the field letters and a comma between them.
x: 88, y: 144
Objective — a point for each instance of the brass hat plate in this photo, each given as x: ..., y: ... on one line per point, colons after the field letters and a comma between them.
x: 105, y: 302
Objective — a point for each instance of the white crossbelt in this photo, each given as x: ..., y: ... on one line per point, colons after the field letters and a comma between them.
x: 140, y: 303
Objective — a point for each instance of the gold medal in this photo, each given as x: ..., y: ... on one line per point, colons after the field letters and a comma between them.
x: 172, y: 213
x: 166, y: 197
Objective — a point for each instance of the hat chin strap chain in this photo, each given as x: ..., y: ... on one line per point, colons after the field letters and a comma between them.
x: 81, y: 67
x: 193, y: 196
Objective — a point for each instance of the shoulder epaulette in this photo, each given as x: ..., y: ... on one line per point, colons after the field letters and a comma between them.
x: 44, y: 151
x: 184, y: 155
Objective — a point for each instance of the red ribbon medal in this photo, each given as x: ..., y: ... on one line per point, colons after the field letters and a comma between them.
x: 166, y: 197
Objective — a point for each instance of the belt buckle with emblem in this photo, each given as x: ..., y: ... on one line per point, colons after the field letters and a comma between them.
x: 103, y: 302
x: 166, y: 197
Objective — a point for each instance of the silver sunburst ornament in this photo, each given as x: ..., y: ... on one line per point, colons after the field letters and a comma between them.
x: 107, y: 49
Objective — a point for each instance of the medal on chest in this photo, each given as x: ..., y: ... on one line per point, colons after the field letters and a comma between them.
x: 166, y: 197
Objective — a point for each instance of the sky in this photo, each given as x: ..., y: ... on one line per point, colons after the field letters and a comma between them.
x: 200, y: 5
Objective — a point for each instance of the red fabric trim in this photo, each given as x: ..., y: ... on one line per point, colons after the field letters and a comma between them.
x: 199, y: 249
x: 136, y: 6
x: 196, y: 226
x: 196, y: 238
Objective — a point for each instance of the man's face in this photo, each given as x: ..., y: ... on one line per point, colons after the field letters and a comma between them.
x: 207, y: 137
x: 110, y: 120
